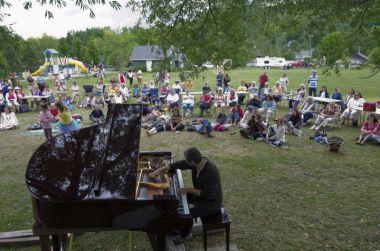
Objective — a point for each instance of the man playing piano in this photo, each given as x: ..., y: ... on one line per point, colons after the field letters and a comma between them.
x: 206, y: 194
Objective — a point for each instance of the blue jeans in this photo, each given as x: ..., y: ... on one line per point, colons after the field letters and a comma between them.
x: 187, y: 106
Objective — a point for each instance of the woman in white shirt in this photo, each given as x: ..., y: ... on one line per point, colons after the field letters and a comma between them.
x: 276, y: 133
x: 172, y: 99
x: 74, y: 92
x: 284, y: 83
x: 188, y: 103
x: 352, y: 113
x: 8, y: 120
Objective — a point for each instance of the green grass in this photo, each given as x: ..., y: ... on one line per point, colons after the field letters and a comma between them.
x: 302, y: 198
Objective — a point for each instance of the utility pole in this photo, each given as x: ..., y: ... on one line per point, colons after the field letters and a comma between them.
x: 310, y: 37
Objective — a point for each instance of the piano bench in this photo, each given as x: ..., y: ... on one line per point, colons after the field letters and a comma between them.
x: 220, y: 220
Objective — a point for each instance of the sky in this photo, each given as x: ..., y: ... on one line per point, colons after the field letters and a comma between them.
x: 32, y: 22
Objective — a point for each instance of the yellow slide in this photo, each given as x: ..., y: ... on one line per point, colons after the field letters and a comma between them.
x: 79, y: 64
x: 41, y: 69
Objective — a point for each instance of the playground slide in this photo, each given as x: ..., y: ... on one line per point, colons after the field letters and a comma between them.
x: 79, y: 64
x: 41, y: 69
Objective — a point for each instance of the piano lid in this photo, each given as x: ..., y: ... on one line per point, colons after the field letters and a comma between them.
x: 97, y: 162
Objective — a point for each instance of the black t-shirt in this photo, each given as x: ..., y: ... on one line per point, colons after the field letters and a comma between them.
x: 97, y: 113
x: 208, y: 181
x: 206, y: 89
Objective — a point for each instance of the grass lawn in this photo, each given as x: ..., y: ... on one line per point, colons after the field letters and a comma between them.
x: 302, y: 198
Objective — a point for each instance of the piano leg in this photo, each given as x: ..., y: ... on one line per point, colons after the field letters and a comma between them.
x: 55, y: 242
x: 45, y: 243
x: 157, y: 241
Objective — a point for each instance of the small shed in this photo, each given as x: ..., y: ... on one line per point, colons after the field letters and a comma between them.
x: 358, y: 58
x: 146, y: 56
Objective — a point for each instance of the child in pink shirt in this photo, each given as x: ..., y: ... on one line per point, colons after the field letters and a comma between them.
x: 369, y: 128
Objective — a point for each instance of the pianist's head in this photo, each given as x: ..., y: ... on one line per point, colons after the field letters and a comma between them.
x: 193, y: 156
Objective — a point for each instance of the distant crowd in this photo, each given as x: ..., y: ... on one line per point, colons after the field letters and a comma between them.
x: 252, y: 106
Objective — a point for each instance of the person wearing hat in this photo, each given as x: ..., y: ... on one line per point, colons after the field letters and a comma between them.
x: 206, y: 194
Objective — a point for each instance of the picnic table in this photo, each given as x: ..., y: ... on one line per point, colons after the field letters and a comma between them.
x: 326, y: 100
x: 33, y: 97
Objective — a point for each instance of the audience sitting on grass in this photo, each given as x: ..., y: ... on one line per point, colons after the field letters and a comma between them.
x: 276, y: 133
x: 293, y: 122
x: 246, y: 117
x: 221, y: 123
x: 174, y: 123
x: 232, y: 99
x: 97, y: 116
x: 8, y: 119
x: 135, y: 91
x: 255, y: 102
x: 236, y: 113
x: 277, y: 92
x: 220, y: 101
x: 308, y: 109
x: 206, y: 88
x: 205, y: 103
x: 46, y: 118
x: 253, y: 90
x: 294, y: 102
x: 241, y: 88
x: 118, y: 98
x: 172, y: 99
x: 255, y: 128
x: 188, y: 103
x: 369, y: 129
x: 328, y: 115
x: 268, y: 107
x: 351, y: 112
x: 323, y: 93
x: 124, y: 92
x: 66, y: 123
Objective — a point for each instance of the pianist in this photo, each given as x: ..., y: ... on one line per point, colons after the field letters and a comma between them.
x: 206, y: 194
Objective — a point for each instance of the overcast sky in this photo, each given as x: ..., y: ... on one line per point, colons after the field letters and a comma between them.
x: 32, y: 22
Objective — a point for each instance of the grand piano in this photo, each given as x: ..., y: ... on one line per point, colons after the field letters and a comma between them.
x: 96, y: 179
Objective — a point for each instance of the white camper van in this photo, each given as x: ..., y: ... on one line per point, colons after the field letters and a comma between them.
x: 268, y: 62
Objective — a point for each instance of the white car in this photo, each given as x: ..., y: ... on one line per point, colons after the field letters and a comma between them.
x: 208, y: 65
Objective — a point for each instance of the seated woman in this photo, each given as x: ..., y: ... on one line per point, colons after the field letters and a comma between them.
x: 265, y: 91
x: 172, y: 99
x: 66, y: 123
x: 12, y: 98
x: 220, y: 101
x: 232, y: 98
x: 293, y: 102
x: 187, y: 103
x: 294, y: 122
x: 241, y: 88
x: 174, y: 124
x: 90, y: 101
x: 246, y: 117
x: 328, y: 115
x: 118, y: 98
x: 269, y: 107
x: 369, y: 129
x: 277, y: 92
x: 164, y: 92
x: 308, y: 109
x: 236, y: 113
x: 276, y: 133
x: 253, y: 90
x: 323, y: 93
x: 8, y: 119
x: 255, y: 102
x: 351, y: 112
x: 255, y: 128
x: 97, y: 116
x: 205, y: 102
x: 221, y: 123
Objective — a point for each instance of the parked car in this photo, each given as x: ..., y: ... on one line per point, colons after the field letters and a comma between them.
x: 208, y: 65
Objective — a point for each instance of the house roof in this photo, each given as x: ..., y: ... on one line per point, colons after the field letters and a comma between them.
x: 147, y: 52
x: 50, y: 51
x: 358, y: 55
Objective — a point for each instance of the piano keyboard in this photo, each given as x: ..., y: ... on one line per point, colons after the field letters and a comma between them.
x: 183, y: 206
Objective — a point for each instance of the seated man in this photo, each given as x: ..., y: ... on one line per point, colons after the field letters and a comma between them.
x: 351, y: 113
x: 97, y: 116
x: 202, y: 126
x: 206, y: 194
x: 188, y: 103
x: 8, y: 119
x: 328, y: 115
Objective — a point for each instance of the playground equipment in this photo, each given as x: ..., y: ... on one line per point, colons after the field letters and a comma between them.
x: 53, y: 61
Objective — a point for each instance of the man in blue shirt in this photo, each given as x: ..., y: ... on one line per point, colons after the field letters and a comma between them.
x: 313, y: 84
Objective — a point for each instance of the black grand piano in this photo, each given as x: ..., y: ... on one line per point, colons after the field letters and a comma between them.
x: 96, y: 179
